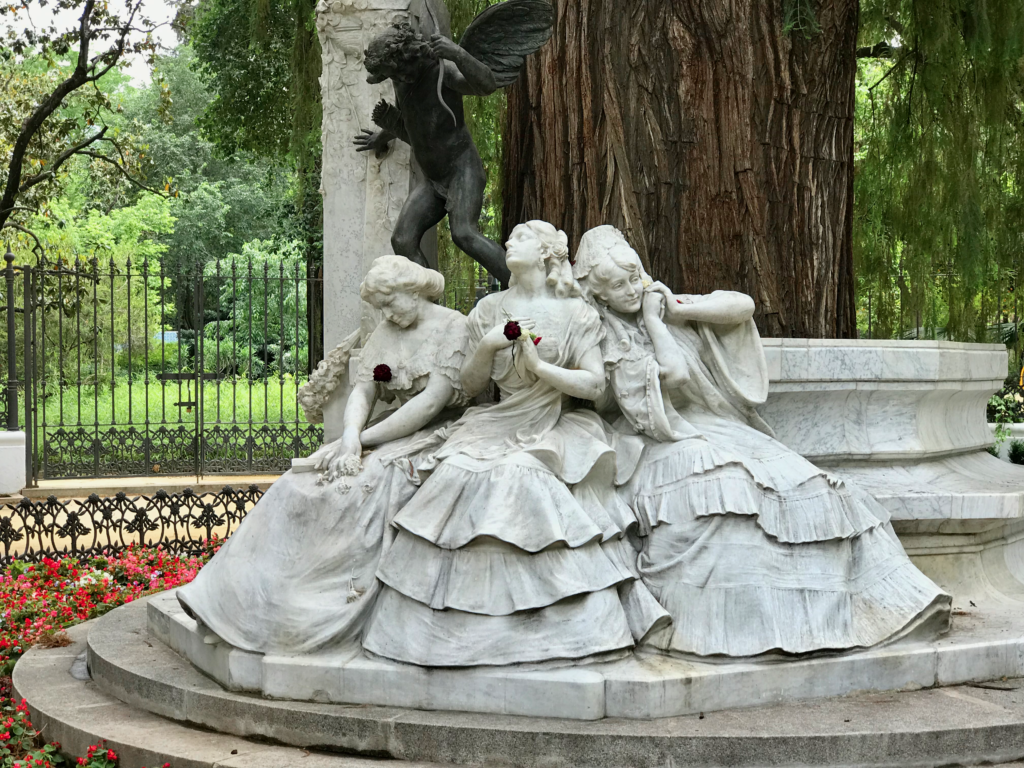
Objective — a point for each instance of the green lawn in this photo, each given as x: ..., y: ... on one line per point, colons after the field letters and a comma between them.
x: 272, y: 400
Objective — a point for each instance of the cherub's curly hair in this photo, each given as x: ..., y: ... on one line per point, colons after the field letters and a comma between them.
x: 399, y: 45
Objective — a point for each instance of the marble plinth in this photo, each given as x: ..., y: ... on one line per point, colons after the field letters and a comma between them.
x: 151, y: 708
x: 906, y: 421
x: 12, y: 463
x: 982, y: 646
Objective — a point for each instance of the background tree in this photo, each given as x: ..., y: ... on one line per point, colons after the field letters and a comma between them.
x: 52, y: 118
x: 718, y: 137
x: 940, y: 166
x: 262, y: 60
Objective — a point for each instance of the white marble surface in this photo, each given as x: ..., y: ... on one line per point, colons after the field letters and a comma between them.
x: 12, y: 463
x: 985, y: 643
x: 906, y: 421
x: 838, y: 400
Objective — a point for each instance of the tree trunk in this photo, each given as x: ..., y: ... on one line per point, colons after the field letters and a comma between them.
x: 720, y: 144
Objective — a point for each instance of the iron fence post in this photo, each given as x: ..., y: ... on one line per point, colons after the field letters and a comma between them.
x: 12, y: 346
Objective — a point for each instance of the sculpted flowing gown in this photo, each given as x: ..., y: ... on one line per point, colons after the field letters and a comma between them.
x: 750, y: 547
x: 496, y: 560
x: 298, y: 574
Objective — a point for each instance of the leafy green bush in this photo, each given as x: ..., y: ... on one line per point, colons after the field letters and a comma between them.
x: 161, y: 357
x: 1016, y: 452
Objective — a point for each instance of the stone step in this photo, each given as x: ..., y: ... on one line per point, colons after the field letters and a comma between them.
x: 70, y: 708
x: 961, y: 725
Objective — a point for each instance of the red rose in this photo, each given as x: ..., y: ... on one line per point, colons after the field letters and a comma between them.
x: 536, y: 340
x: 382, y: 373
x: 512, y: 330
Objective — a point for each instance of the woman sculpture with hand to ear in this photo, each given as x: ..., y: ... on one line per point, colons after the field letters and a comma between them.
x: 750, y: 547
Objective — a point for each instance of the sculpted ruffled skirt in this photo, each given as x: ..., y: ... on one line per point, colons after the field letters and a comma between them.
x: 499, y: 562
x: 298, y: 574
x: 753, y: 549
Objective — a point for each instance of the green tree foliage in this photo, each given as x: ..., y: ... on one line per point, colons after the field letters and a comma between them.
x: 259, y: 304
x: 485, y: 117
x: 939, y: 168
x: 243, y: 48
x: 49, y: 160
x: 54, y: 108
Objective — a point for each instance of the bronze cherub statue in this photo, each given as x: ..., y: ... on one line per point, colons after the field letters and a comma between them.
x: 430, y: 78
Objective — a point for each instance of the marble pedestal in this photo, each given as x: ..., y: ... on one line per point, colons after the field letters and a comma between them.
x: 905, y: 420
x: 982, y: 646
x: 12, y: 463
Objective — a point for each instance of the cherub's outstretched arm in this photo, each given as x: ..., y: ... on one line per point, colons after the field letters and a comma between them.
x: 462, y: 71
x: 389, y: 118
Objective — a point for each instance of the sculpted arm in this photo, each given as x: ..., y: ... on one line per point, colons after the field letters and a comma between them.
x: 585, y: 382
x: 720, y: 307
x: 357, y: 411
x: 465, y: 74
x: 674, y: 370
x: 476, y: 371
x: 414, y: 415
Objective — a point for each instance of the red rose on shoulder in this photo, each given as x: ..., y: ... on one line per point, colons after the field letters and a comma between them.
x: 512, y: 330
x: 382, y: 373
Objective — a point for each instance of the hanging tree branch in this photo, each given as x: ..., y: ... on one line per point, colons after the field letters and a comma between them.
x: 880, y: 50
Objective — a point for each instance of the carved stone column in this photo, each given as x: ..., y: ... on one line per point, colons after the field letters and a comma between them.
x: 362, y: 195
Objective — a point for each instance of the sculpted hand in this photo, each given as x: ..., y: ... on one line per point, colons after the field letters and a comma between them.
x: 526, y: 349
x: 380, y: 109
x: 443, y: 48
x: 371, y: 140
x: 654, y: 301
x: 495, y: 338
x: 331, y: 458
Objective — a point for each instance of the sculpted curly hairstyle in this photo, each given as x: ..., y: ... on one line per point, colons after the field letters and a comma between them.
x: 400, y: 45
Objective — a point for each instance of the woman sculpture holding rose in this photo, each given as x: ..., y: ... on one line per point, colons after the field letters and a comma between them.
x: 749, y: 547
x: 514, y: 549
x: 298, y: 574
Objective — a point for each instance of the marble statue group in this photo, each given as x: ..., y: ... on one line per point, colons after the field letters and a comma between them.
x: 574, y: 472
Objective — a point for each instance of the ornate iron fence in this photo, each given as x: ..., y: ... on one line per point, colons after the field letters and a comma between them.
x: 134, y: 369
x: 182, y: 523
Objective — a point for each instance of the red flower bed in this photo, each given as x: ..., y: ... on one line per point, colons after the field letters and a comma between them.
x: 39, y: 600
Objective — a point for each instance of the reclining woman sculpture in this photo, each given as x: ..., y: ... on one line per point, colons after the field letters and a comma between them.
x: 298, y: 574
x: 496, y: 561
x: 749, y: 547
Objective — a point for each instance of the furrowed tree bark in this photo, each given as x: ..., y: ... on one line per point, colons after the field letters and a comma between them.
x: 721, y: 145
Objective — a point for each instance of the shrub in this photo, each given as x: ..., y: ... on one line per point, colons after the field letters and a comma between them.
x: 1016, y: 451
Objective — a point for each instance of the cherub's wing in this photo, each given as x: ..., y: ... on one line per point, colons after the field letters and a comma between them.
x: 503, y: 35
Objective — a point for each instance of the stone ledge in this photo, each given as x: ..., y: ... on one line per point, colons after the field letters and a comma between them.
x: 74, y: 711
x: 966, y: 725
x: 983, y: 645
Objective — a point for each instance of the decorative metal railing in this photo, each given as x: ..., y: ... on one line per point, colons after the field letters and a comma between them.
x: 182, y: 523
x: 122, y: 369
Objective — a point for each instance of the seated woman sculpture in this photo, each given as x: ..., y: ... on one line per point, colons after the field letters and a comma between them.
x: 496, y: 560
x: 749, y: 547
x: 298, y: 574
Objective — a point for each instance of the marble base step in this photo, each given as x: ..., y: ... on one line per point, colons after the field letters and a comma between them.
x: 200, y: 725
x: 983, y: 645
